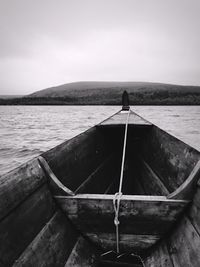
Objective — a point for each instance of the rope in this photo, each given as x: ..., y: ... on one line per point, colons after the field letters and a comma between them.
x: 118, y: 195
x: 116, y: 204
x: 124, y: 151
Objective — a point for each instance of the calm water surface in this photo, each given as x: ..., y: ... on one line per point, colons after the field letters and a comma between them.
x: 27, y: 131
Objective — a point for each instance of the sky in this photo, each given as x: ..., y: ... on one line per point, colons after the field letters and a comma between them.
x: 45, y: 43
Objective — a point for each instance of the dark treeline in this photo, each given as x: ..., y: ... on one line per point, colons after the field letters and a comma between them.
x: 38, y: 101
x: 108, y: 98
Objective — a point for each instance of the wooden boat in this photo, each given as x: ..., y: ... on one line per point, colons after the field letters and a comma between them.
x: 59, y: 209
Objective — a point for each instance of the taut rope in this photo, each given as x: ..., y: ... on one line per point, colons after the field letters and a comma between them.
x: 118, y: 195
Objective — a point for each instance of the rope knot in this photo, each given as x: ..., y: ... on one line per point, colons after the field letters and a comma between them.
x: 116, y: 221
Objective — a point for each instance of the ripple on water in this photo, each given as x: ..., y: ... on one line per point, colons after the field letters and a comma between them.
x: 27, y: 131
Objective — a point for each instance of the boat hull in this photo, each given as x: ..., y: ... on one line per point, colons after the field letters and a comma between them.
x: 49, y: 223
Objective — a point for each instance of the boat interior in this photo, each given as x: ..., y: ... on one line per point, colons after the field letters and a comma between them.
x: 153, y: 192
x: 94, y: 165
x: 71, y: 190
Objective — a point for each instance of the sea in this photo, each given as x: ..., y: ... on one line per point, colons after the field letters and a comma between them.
x: 28, y: 131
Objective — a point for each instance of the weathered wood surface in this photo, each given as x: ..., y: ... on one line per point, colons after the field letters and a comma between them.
x: 187, y: 188
x: 21, y: 226
x: 73, y: 161
x: 118, y: 264
x: 131, y: 180
x: 108, y: 263
x: 56, y: 185
x: 109, y: 187
x: 160, y: 257
x: 82, y: 255
x: 120, y: 119
x: 171, y: 159
x: 99, y: 180
x: 18, y: 184
x: 151, y: 182
x: 131, y: 185
x: 128, y: 242
x: 137, y: 215
x: 194, y: 211
x: 184, y: 245
x: 113, y: 186
x: 52, y: 246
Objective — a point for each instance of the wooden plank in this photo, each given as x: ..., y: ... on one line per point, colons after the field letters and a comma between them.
x: 124, y: 197
x: 184, y: 245
x: 131, y: 183
x: 74, y: 160
x: 55, y: 183
x: 137, y: 215
x: 128, y: 243
x: 18, y: 184
x: 159, y: 257
x: 137, y: 188
x: 171, y: 159
x: 151, y: 182
x: 82, y: 255
x: 119, y: 118
x: 98, y: 181
x: 20, y: 227
x: 118, y: 264
x: 186, y: 190
x: 194, y: 211
x: 109, y: 188
x: 113, y: 187
x: 52, y: 246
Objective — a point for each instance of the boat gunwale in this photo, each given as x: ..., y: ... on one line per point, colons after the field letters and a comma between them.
x: 187, y: 184
x: 147, y: 198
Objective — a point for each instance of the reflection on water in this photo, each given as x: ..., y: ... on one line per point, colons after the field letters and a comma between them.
x: 27, y: 131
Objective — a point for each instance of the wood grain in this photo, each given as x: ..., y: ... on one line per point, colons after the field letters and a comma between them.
x: 128, y: 243
x: 55, y: 183
x: 82, y: 255
x: 184, y: 245
x: 194, y: 211
x: 187, y: 188
x: 98, y: 181
x: 18, y: 184
x: 159, y: 257
x: 171, y: 159
x: 138, y: 214
x: 151, y: 182
x: 21, y: 226
x: 74, y: 160
x: 52, y: 246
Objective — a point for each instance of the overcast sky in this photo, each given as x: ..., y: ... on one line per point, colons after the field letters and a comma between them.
x: 45, y: 43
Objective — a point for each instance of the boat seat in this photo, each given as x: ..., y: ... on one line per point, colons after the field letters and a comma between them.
x: 144, y: 220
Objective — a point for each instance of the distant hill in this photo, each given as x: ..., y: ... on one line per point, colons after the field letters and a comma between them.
x: 109, y: 93
x: 10, y: 96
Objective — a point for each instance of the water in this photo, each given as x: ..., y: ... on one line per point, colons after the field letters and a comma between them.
x: 27, y: 131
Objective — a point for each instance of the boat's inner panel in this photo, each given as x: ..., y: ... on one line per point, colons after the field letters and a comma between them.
x: 90, y: 166
x: 138, y: 176
x: 91, y: 162
x: 60, y: 209
x: 105, y: 178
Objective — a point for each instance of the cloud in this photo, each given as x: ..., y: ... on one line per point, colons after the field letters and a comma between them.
x: 45, y: 43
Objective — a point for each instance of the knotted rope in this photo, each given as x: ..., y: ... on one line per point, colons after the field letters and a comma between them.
x: 118, y: 195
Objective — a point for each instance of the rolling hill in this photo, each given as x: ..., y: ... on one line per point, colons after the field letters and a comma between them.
x: 109, y: 93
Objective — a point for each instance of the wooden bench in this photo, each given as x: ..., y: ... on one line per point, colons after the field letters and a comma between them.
x: 143, y: 219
